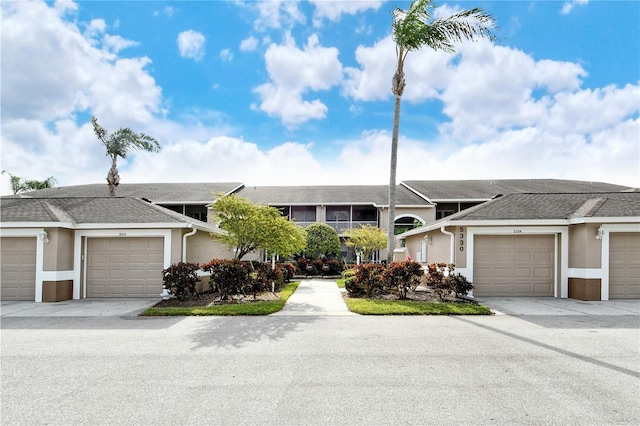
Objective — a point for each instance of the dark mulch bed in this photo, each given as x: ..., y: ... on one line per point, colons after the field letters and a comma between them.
x: 210, y: 298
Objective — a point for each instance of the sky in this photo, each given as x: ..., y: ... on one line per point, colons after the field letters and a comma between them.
x: 299, y: 93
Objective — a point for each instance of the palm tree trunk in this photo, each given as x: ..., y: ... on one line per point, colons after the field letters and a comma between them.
x: 397, y: 87
x: 391, y: 239
x: 113, y: 178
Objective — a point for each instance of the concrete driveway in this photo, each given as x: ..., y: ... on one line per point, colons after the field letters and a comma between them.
x: 78, y: 308
x: 322, y: 301
x: 544, y: 306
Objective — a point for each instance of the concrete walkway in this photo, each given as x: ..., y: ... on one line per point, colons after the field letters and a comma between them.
x: 316, y: 297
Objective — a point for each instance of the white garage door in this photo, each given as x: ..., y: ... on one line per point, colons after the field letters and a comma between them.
x: 124, y: 267
x: 18, y: 268
x: 513, y: 265
x: 624, y: 265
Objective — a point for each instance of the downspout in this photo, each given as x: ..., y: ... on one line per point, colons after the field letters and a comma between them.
x: 184, y: 241
x: 452, y: 255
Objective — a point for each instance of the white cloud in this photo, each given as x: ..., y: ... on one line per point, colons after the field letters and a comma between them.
x: 168, y: 11
x: 226, y: 55
x: 86, y: 77
x: 293, y: 72
x: 568, y: 6
x: 191, y: 44
x: 249, y: 44
x: 334, y: 9
x: 277, y: 14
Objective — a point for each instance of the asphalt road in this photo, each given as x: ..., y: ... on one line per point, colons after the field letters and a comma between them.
x: 321, y: 370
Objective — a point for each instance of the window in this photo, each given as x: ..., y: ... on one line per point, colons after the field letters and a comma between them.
x: 365, y: 214
x: 196, y: 211
x: 338, y: 213
x: 303, y: 213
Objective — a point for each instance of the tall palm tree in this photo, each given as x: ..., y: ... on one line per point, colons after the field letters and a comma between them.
x: 412, y: 29
x: 118, y: 144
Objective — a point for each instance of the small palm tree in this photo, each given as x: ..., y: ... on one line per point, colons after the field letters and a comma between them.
x: 412, y: 29
x: 20, y: 184
x: 118, y: 144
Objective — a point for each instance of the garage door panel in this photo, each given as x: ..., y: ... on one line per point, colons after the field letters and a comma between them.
x: 506, y: 265
x: 624, y: 265
x: 18, y: 263
x: 134, y: 267
x: 520, y: 256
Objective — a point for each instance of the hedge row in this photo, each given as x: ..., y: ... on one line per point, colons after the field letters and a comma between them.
x: 374, y: 279
x: 227, y: 277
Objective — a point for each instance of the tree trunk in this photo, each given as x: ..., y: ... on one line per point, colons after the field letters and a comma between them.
x: 113, y: 178
x: 397, y: 87
x: 391, y: 239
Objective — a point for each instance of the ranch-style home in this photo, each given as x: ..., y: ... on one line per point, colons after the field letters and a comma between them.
x: 77, y: 241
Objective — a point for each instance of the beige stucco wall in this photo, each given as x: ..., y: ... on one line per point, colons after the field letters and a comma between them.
x: 201, y: 248
x: 413, y: 244
x: 585, y: 251
x: 438, y: 246
x: 176, y: 245
x: 428, y: 214
x: 58, y: 252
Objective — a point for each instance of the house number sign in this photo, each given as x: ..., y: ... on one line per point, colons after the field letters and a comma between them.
x: 461, y: 238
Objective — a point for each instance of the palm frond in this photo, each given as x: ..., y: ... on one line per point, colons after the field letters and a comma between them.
x: 415, y: 28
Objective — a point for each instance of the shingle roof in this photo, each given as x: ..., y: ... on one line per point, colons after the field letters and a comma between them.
x: 156, y: 192
x: 440, y: 190
x: 90, y: 210
x: 315, y: 195
x: 558, y: 207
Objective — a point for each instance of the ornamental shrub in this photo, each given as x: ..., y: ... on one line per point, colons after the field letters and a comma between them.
x: 441, y: 278
x: 461, y: 286
x: 180, y: 279
x: 228, y: 277
x: 301, y: 266
x: 335, y: 267
x: 288, y: 270
x: 262, y: 277
x: 437, y: 278
x: 317, y: 266
x: 368, y: 280
x: 403, y: 277
x: 349, y: 275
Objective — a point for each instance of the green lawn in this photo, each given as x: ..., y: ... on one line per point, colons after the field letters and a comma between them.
x: 248, y: 309
x: 413, y: 307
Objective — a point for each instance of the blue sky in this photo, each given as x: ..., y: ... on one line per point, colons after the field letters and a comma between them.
x: 295, y: 93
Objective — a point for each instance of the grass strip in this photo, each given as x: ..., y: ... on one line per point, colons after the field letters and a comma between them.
x: 413, y: 307
x: 246, y: 309
x: 340, y: 283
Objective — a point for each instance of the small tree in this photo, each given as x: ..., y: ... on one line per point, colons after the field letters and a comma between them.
x: 118, y: 144
x: 20, y: 184
x: 250, y: 226
x: 322, y: 240
x: 367, y: 240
